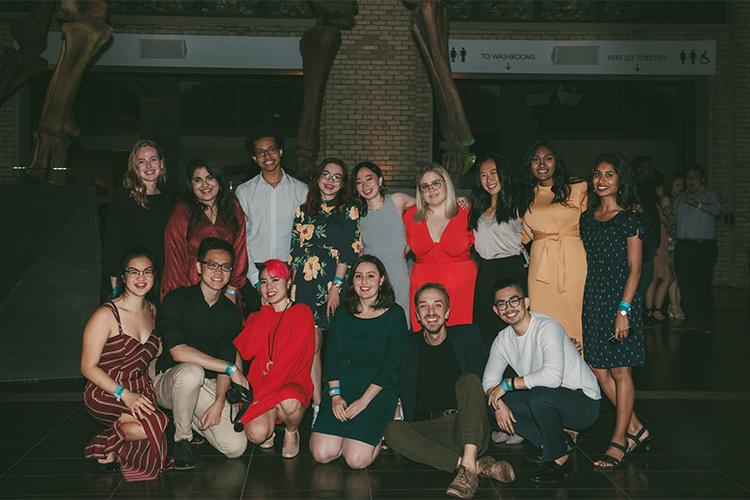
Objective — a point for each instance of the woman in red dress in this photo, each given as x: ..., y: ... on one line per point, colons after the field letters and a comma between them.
x: 209, y: 211
x: 279, y: 341
x: 118, y: 346
x: 437, y: 233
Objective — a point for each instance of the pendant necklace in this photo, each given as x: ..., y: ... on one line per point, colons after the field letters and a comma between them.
x: 272, y: 340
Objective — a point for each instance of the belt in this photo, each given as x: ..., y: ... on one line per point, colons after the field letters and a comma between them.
x: 442, y: 413
x: 552, y: 250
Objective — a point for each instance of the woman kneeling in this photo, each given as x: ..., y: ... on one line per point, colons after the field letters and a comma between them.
x: 279, y: 340
x: 363, y: 351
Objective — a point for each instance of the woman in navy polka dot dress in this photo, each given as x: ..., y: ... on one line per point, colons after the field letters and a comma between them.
x: 612, y: 308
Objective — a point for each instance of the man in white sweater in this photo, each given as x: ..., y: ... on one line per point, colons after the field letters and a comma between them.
x: 554, y: 389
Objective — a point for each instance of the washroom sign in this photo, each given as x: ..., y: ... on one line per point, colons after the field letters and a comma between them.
x: 584, y: 57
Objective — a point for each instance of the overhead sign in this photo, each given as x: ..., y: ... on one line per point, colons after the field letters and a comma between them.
x: 583, y: 57
x: 192, y: 51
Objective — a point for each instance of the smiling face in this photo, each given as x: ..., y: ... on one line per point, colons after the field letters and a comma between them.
x: 488, y: 177
x: 543, y: 165
x: 272, y: 288
x: 138, y: 277
x: 205, y: 186
x: 368, y: 184
x: 432, y: 310
x: 510, y: 305
x: 330, y: 181
x: 605, y: 180
x: 432, y: 189
x: 678, y: 185
x: 693, y: 180
x: 267, y: 154
x: 148, y: 164
x: 215, y: 279
x: 367, y: 281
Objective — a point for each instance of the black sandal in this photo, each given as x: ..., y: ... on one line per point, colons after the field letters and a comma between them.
x: 636, y: 438
x: 614, y: 462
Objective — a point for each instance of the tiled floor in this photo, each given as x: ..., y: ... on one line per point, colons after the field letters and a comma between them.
x: 694, y: 396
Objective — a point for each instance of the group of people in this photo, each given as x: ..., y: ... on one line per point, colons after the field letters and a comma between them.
x: 339, y: 322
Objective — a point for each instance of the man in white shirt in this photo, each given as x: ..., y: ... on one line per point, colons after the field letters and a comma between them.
x: 269, y: 201
x: 554, y: 389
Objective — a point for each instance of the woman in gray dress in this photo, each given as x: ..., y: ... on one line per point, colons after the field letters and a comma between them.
x: 382, y: 227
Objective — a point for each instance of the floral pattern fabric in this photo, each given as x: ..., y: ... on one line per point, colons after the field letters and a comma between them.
x: 320, y: 242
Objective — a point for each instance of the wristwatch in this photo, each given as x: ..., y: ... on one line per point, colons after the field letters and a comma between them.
x: 622, y: 312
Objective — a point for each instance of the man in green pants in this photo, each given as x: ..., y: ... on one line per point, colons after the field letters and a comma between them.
x: 446, y: 423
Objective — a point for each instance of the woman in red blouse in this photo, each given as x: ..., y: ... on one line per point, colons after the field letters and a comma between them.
x: 437, y: 233
x: 208, y: 210
x: 279, y: 341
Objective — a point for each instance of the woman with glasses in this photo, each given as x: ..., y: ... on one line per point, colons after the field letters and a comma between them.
x: 325, y: 242
x: 279, y: 341
x: 497, y: 230
x: 137, y: 214
x: 118, y: 347
x: 552, y: 203
x: 437, y: 231
x: 209, y: 210
x: 612, y: 305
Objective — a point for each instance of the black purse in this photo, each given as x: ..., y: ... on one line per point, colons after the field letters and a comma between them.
x: 236, y: 394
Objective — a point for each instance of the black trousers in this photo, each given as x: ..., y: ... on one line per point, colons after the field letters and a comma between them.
x: 542, y: 415
x: 251, y: 295
x: 694, y: 262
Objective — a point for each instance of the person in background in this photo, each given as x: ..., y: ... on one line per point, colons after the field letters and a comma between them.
x: 137, y: 215
x: 198, y: 324
x: 663, y: 278
x: 497, y: 237
x: 438, y: 234
x: 118, y: 345
x: 446, y: 424
x: 208, y: 211
x: 675, y: 297
x: 269, y: 201
x: 363, y: 350
x: 696, y: 210
x: 325, y: 241
x: 551, y: 203
x: 279, y: 341
x: 381, y: 223
x: 612, y: 305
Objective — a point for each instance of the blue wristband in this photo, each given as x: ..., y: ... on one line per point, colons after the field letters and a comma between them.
x: 118, y: 391
x: 231, y: 291
x: 505, y: 385
x: 230, y: 369
x: 334, y: 391
x: 624, y: 306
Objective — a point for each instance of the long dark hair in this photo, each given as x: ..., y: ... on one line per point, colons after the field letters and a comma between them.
x: 507, y: 205
x: 314, y: 198
x: 224, y: 200
x: 386, y: 296
x: 375, y: 168
x: 129, y: 255
x: 625, y: 191
x: 560, y: 179
x: 644, y: 182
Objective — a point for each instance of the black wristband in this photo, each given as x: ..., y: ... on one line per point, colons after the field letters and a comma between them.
x: 513, y: 382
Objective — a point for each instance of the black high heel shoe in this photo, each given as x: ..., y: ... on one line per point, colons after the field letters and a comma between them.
x: 640, y: 442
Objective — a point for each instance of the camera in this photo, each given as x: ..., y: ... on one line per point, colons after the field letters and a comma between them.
x: 236, y: 394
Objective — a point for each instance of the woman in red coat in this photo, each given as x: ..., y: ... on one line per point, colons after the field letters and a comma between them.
x: 208, y: 211
x: 437, y: 231
x: 279, y: 341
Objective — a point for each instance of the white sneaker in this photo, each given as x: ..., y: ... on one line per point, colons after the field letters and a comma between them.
x: 514, y: 439
x: 316, y: 409
x: 499, y: 437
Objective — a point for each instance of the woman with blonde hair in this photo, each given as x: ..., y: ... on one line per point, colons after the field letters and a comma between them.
x: 437, y: 232
x: 137, y: 214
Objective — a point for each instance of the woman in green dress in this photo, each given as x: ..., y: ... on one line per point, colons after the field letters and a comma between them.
x: 325, y: 241
x: 364, y: 347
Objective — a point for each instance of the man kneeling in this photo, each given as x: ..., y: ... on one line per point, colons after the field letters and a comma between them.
x: 440, y: 387
x: 554, y: 390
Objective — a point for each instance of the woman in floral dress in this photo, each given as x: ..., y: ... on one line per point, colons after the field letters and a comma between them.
x: 325, y: 242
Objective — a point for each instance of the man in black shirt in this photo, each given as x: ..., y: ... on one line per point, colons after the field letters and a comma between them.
x: 197, y: 325
x: 445, y: 410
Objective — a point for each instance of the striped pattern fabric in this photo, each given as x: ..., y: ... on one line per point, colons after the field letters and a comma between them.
x: 126, y: 360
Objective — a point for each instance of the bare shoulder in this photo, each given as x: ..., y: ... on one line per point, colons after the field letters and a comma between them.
x: 402, y: 201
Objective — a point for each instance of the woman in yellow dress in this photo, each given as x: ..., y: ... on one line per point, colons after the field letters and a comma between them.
x: 557, y: 268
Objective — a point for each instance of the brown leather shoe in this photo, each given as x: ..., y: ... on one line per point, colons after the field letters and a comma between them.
x: 498, y: 470
x: 464, y: 485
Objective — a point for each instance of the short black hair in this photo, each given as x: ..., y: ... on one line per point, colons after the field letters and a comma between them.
x: 505, y: 282
x: 698, y: 169
x: 209, y: 244
x: 432, y: 286
x: 251, y: 139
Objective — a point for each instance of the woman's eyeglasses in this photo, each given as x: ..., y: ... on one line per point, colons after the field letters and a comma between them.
x: 325, y: 175
x: 431, y: 186
x: 148, y: 272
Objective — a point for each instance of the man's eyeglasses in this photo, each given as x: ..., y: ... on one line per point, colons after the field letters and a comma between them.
x: 434, y: 185
x: 325, y: 175
x: 213, y: 266
x: 502, y: 305
x: 148, y: 272
x: 262, y: 153
x: 547, y: 160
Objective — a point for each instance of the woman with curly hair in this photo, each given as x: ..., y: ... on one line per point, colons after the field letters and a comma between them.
x: 209, y: 210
